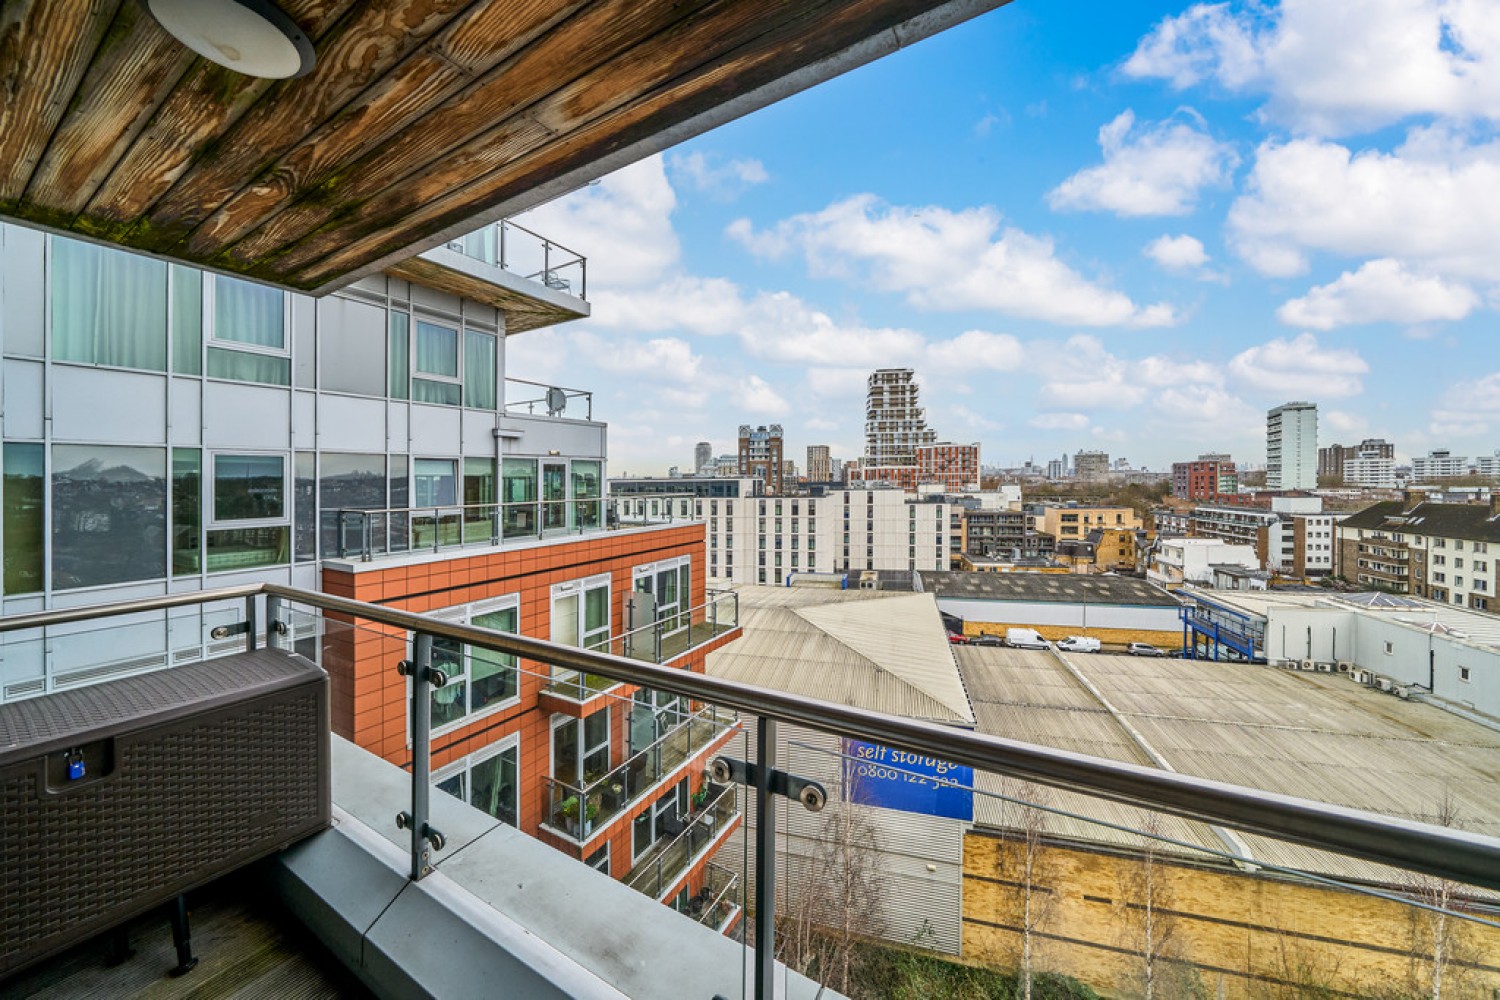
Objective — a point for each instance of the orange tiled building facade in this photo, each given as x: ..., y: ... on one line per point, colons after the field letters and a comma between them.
x: 632, y: 762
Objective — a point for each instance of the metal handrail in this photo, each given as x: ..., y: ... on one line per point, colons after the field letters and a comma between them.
x: 465, y: 515
x: 558, y: 787
x: 1423, y: 847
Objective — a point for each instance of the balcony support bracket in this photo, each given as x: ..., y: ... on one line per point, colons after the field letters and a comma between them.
x: 811, y: 794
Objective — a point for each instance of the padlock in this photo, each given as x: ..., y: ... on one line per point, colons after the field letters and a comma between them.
x: 75, y: 765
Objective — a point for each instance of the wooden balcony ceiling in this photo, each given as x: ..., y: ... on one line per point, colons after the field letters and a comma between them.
x: 421, y: 119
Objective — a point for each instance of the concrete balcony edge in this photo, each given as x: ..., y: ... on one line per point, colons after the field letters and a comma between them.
x: 503, y: 914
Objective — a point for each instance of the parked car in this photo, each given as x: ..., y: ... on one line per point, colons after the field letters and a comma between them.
x: 985, y: 639
x: 1025, y: 638
x: 1143, y: 649
x: 958, y: 640
x: 1079, y: 644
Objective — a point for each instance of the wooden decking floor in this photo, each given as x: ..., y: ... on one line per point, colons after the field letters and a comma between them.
x: 248, y: 948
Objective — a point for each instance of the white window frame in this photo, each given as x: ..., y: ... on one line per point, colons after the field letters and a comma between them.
x: 466, y: 764
x: 463, y: 614
x: 212, y: 518
x: 211, y: 336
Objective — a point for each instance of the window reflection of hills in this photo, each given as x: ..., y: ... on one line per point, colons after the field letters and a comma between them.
x: 109, y: 516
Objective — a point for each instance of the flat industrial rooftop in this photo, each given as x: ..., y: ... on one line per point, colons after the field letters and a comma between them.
x: 1315, y: 735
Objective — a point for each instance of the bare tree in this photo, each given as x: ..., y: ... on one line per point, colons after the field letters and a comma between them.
x: 1440, y: 940
x: 1150, y: 930
x: 1022, y: 862
x: 837, y: 905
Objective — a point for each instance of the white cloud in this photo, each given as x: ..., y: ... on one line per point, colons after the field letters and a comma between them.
x: 974, y: 420
x: 1335, y: 68
x: 1343, y: 422
x: 623, y: 225
x: 1157, y: 169
x: 976, y: 349
x: 1381, y: 291
x: 1176, y: 253
x: 1432, y: 201
x: 947, y: 260
x: 670, y: 358
x: 1469, y: 408
x: 1059, y: 421
x: 716, y: 177
x: 754, y: 394
x: 819, y: 424
x: 1300, y: 368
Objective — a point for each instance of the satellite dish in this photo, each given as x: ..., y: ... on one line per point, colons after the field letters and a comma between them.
x: 557, y: 401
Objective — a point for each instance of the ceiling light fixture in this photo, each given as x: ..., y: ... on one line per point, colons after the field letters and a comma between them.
x: 253, y: 37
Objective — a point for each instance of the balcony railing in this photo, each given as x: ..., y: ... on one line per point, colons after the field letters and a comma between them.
x: 656, y: 871
x: 580, y: 812
x: 718, y: 901
x: 663, y: 508
x: 1395, y: 860
x: 541, y: 399
x: 669, y: 637
x: 521, y: 251
x: 365, y: 534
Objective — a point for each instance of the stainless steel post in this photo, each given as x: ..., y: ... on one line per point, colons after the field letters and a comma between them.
x: 421, y: 753
x: 765, y: 859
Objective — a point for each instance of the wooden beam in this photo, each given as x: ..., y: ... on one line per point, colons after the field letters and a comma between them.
x: 361, y: 49
x: 761, y: 60
x: 590, y: 39
x: 203, y: 106
x: 45, y: 49
x: 135, y: 68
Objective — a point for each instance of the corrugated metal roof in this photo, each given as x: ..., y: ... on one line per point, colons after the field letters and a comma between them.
x: 886, y: 652
x: 1313, y: 735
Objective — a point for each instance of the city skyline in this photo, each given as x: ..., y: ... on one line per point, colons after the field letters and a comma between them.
x: 1186, y: 242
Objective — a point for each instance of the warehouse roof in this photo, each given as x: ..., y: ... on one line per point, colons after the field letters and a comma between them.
x: 1313, y: 735
x: 1066, y: 588
x: 881, y: 651
x: 1466, y: 624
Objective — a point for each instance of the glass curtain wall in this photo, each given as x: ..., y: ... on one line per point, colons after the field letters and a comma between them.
x: 518, y: 484
x: 109, y: 307
x: 109, y: 515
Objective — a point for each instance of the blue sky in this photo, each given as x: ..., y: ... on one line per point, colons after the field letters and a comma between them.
x: 1132, y: 227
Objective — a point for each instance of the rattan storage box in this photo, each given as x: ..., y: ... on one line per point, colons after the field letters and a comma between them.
x: 114, y: 798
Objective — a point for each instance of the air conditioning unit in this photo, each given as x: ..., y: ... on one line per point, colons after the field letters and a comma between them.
x: 1308, y: 665
x: 1401, y: 691
x: 118, y: 797
x: 1345, y: 666
x: 1383, y: 683
x: 1324, y: 667
x: 1359, y: 676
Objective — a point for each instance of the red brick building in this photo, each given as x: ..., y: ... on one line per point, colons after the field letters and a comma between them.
x: 1209, y: 477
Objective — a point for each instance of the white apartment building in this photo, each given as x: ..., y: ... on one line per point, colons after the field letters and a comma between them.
x: 1292, y: 447
x: 1371, y: 470
x: 1440, y: 464
x: 766, y: 539
x: 1179, y: 561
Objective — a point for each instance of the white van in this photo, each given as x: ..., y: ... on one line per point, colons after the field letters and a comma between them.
x: 1025, y: 638
x: 1079, y: 644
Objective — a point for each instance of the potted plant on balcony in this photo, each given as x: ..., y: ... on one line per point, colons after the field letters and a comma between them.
x: 569, y: 810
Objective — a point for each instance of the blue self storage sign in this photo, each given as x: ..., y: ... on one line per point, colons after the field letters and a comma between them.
x: 894, y: 779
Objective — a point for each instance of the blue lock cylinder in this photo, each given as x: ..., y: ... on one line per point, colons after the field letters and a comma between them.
x: 75, y: 766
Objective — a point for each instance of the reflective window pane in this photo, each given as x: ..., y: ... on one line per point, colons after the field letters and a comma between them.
x: 434, y: 482
x: 187, y: 516
x: 109, y: 307
x: 480, y: 369
x: 400, y: 355
x: 245, y: 367
x: 247, y: 313
x: 109, y: 515
x: 24, y: 496
x: 248, y: 487
x: 437, y: 349
x: 247, y: 548
x: 187, y: 320
x: 427, y: 391
x: 494, y: 786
